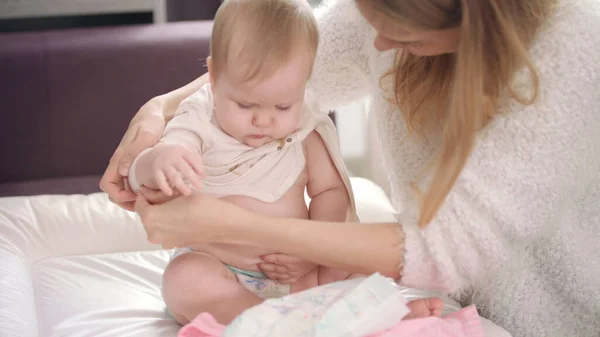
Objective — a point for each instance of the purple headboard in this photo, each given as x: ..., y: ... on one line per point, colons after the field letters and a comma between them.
x: 68, y: 96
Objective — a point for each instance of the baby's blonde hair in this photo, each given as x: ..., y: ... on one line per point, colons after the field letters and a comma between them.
x: 261, y: 35
x: 461, y: 91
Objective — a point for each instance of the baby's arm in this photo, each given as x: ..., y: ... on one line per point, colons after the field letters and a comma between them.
x: 166, y: 166
x: 142, y: 172
x: 325, y: 187
x: 329, y: 197
x: 177, y: 157
x: 329, y: 203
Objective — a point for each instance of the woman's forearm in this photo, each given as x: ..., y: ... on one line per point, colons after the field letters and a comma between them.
x: 355, y: 247
x: 168, y: 103
x: 172, y: 99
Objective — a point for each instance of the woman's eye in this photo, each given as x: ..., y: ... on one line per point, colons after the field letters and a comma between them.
x: 283, y: 108
x: 244, y: 106
x: 416, y: 44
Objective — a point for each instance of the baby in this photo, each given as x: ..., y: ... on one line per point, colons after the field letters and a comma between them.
x: 254, y: 136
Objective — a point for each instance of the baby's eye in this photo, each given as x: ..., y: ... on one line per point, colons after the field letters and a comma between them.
x: 244, y: 106
x: 283, y: 108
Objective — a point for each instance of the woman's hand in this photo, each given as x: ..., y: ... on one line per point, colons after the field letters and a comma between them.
x: 194, y: 219
x: 284, y: 268
x: 200, y: 219
x: 144, y: 131
x: 157, y: 197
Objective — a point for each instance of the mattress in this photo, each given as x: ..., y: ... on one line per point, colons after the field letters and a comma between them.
x: 78, y: 265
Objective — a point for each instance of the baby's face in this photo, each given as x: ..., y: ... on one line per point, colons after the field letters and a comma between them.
x: 257, y: 112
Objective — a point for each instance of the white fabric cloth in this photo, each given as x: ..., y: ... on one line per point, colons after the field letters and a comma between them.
x: 519, y: 234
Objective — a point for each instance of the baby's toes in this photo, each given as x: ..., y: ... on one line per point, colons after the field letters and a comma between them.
x: 426, y: 307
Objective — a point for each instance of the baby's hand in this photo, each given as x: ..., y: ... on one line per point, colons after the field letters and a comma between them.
x: 285, y: 268
x: 177, y: 167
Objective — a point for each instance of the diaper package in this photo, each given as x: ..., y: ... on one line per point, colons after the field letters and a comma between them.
x: 373, y: 306
x: 352, y: 308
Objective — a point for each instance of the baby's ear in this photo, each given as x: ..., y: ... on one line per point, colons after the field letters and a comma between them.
x: 209, y: 64
x: 210, y: 72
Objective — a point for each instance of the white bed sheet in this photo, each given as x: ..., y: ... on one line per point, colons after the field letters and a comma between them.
x: 79, y: 266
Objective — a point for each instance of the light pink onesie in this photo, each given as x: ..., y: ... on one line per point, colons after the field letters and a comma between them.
x: 265, y: 173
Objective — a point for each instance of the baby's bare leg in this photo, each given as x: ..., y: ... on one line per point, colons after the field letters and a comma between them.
x: 196, y: 282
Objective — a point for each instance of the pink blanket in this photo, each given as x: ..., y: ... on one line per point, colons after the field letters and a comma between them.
x: 463, y: 323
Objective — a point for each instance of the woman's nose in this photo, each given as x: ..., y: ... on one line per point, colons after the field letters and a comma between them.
x: 382, y: 44
x: 262, y: 119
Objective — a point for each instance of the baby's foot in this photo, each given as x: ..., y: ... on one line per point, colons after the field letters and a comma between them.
x: 425, y: 307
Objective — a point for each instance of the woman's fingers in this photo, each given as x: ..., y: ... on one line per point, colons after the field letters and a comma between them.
x: 272, y: 275
x: 138, y: 137
x: 271, y: 267
x: 156, y: 196
x: 113, y: 183
x: 142, y: 207
x: 281, y: 259
x: 148, y: 215
x: 281, y: 278
x: 287, y: 279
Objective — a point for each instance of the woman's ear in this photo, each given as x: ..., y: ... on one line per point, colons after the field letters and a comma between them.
x: 210, y: 73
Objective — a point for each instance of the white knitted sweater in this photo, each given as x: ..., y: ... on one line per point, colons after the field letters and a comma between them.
x: 519, y: 234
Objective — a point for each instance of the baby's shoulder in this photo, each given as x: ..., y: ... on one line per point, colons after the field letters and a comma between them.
x: 313, y: 143
x: 198, y: 107
x: 203, y: 97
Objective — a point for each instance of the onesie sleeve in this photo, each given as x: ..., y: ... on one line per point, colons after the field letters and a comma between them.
x: 189, y: 128
x: 191, y: 125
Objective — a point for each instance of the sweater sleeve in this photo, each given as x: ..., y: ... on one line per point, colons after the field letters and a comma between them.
x: 529, y: 168
x: 340, y: 73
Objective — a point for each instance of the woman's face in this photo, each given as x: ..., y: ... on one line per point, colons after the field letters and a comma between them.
x: 392, y: 35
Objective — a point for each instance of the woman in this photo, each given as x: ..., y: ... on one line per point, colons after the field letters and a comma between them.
x: 487, y: 112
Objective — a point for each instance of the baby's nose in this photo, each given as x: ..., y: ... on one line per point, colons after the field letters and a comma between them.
x: 262, y: 119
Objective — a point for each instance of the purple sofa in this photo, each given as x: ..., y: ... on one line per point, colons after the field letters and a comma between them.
x: 66, y: 97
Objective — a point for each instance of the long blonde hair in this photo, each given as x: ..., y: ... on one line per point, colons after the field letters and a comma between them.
x: 462, y: 90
